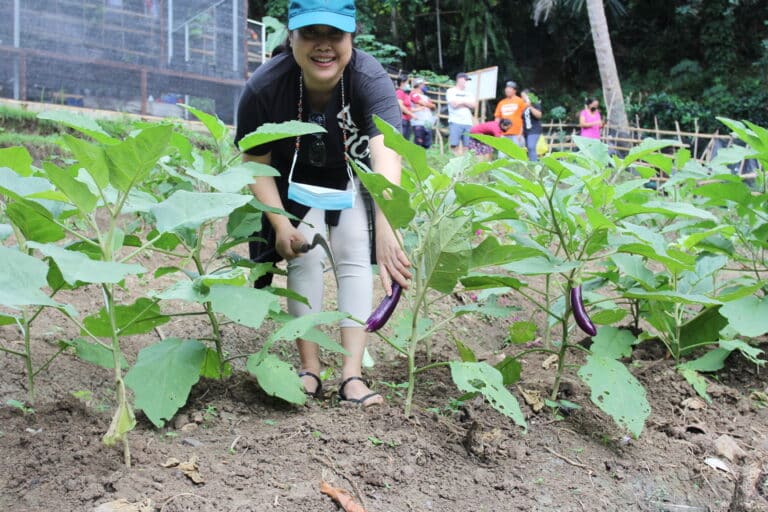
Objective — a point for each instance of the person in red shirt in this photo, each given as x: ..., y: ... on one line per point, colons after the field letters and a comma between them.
x: 495, y: 128
x: 404, y: 99
x: 512, y: 108
x: 423, y: 118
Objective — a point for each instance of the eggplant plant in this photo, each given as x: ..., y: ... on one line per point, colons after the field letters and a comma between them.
x: 437, y: 238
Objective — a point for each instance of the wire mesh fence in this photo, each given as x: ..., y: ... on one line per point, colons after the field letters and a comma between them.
x: 137, y: 56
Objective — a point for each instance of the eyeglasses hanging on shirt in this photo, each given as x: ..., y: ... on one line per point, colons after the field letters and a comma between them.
x: 315, y: 196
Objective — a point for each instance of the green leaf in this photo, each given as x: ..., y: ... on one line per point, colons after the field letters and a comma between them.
x: 215, y: 126
x: 211, y: 367
x: 298, y: 327
x: 634, y: 266
x: 235, y: 178
x: 18, y: 159
x: 277, y: 378
x: 95, y: 353
x: 82, y: 123
x: 123, y: 421
x: 270, y: 132
x: 613, y: 343
x: 540, y: 265
x: 21, y: 278
x: 246, y: 306
x: 704, y: 327
x: 470, y: 194
x: 522, y: 332
x: 163, y: 376
x: 483, y: 378
x: 91, y: 157
x: 244, y: 221
x: 183, y: 290
x: 608, y: 316
x: 748, y: 315
x: 66, y: 181
x: 393, y: 200
x: 131, y: 160
x: 35, y: 222
x: 646, y: 147
x: 510, y: 369
x: 192, y: 209
x: 616, y: 392
x: 402, y: 326
x: 465, y: 353
x: 592, y: 149
x: 503, y: 144
x: 490, y: 308
x: 77, y: 267
x: 697, y: 381
x: 671, y: 296
x: 447, y: 253
x: 748, y: 351
x: 491, y: 252
x: 669, y: 209
x: 485, y: 281
x: 414, y: 154
x: 138, y: 318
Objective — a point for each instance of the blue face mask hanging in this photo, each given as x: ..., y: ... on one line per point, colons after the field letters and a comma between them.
x: 315, y: 196
x: 323, y: 198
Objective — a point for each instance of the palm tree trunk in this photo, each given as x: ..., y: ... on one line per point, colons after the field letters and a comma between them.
x: 609, y: 76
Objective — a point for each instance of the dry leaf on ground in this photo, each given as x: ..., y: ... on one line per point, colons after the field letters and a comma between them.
x: 189, y: 468
x: 729, y: 448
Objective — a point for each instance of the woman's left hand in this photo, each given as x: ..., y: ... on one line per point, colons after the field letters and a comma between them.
x: 393, y: 262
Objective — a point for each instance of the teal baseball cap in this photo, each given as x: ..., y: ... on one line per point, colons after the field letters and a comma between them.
x: 334, y: 13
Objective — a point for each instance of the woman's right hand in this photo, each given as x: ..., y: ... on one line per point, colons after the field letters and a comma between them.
x: 286, y: 238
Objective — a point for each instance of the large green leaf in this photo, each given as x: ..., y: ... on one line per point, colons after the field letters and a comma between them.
x: 131, y: 160
x: 748, y: 315
x: 235, y: 178
x: 402, y: 329
x: 18, y: 159
x: 77, y: 267
x: 91, y: 157
x: 246, y: 306
x: 15, y: 186
x: 647, y: 147
x: 298, y: 327
x: 80, y: 122
x: 539, y: 265
x: 668, y: 209
x: 704, y: 327
x: 163, y: 375
x: 616, y: 392
x: 138, y: 318
x: 447, y: 253
x: 696, y: 380
x: 469, y: 194
x: 612, y: 343
x: 491, y: 252
x: 270, y: 132
x: 76, y: 191
x: 503, y: 144
x: 21, y: 278
x: 484, y: 378
x: 191, y: 209
x: 277, y: 378
x: 394, y: 201
x: 413, y: 153
x: 95, y: 353
x: 634, y: 267
x: 244, y: 221
x: 215, y: 126
x: 35, y: 222
x: 670, y: 296
x: 485, y: 281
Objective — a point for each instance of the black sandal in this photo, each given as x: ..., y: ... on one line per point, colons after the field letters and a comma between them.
x: 357, y: 401
x: 318, y: 392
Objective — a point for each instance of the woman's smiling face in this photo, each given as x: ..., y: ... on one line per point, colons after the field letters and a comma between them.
x: 322, y: 53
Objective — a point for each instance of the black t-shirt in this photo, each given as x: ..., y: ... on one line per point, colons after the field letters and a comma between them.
x: 531, y: 124
x: 272, y: 96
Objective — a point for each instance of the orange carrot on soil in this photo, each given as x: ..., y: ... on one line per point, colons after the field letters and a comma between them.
x: 341, y: 497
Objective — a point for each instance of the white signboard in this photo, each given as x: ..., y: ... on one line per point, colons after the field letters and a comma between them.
x: 483, y: 83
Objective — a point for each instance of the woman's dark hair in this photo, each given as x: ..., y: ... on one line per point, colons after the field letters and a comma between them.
x: 401, y: 79
x: 589, y: 100
x: 504, y: 124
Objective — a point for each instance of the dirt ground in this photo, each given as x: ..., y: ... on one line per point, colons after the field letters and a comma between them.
x: 254, y: 453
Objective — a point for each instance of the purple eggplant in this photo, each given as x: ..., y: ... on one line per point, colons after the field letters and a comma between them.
x: 580, y: 314
x: 382, y: 313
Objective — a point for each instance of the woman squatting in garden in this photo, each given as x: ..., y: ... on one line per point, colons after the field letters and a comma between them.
x: 321, y: 78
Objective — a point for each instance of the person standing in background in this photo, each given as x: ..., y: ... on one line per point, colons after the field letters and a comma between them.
x: 512, y: 108
x: 404, y: 99
x: 423, y: 117
x: 531, y: 122
x: 590, y: 119
x: 461, y: 103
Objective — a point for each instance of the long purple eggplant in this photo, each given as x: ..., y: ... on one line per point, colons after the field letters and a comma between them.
x: 382, y: 313
x: 580, y: 314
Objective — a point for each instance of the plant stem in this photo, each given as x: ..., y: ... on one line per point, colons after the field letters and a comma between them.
x: 122, y: 400
x: 49, y: 361
x: 11, y: 351
x: 413, y: 340
x: 431, y: 366
x: 215, y: 327
x: 561, y: 353
x: 24, y: 326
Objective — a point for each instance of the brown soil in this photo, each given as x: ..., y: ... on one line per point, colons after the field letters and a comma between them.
x: 257, y: 454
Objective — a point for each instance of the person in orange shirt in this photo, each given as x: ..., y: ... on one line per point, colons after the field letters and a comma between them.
x: 512, y: 108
